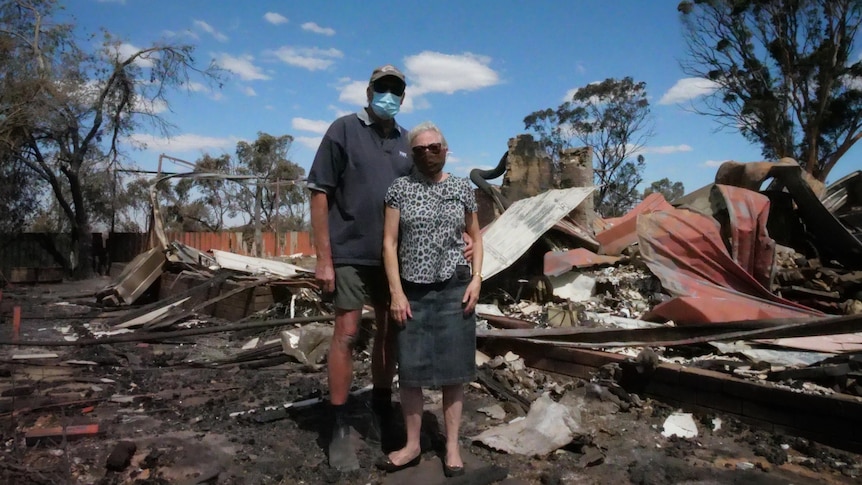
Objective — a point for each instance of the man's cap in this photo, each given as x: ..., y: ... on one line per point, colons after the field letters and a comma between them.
x: 387, y: 70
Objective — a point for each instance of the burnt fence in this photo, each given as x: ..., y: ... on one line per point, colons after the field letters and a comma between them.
x: 30, y: 250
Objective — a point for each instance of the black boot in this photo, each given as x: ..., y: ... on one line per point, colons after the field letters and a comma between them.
x: 342, y: 456
x: 386, y: 422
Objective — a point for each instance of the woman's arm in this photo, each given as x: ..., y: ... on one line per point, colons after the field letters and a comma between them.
x: 471, y: 296
x: 399, y: 306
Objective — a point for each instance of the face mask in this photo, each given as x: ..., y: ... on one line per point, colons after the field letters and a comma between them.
x: 385, y: 105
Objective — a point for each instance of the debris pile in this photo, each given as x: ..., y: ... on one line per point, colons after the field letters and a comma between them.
x: 729, y: 300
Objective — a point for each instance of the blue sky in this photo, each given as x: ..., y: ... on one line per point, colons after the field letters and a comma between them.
x: 475, y: 68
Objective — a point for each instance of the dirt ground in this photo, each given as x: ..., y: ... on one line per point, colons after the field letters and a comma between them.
x: 176, y: 410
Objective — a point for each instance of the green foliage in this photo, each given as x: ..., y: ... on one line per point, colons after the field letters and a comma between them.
x: 18, y: 196
x: 670, y: 190
x: 612, y: 117
x: 283, y: 201
x: 213, y: 204
x: 784, y: 74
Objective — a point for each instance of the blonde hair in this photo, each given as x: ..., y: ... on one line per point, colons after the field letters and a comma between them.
x: 422, y: 128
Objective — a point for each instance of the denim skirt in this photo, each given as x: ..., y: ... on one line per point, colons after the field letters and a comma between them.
x: 437, y: 347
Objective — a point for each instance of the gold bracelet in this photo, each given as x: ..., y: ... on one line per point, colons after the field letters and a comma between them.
x: 479, y: 275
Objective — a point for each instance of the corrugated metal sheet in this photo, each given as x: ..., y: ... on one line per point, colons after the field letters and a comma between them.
x: 623, y: 233
x: 507, y: 238
x: 687, y: 252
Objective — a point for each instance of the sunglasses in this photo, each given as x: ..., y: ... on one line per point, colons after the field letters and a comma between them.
x: 395, y: 88
x: 433, y: 148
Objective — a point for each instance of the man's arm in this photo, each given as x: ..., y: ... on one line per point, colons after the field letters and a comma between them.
x: 324, y: 271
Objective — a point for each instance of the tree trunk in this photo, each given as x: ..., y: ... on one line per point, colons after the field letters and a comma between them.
x: 82, y: 239
x: 82, y: 260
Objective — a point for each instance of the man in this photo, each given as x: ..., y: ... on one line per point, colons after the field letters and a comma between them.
x: 359, y: 157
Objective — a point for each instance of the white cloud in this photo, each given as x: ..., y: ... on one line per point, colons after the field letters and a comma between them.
x: 354, y: 92
x: 242, y: 66
x: 210, y: 30
x: 667, y: 149
x: 310, y: 142
x: 184, y: 143
x: 249, y: 91
x: 430, y: 72
x: 275, y: 18
x: 125, y: 50
x: 713, y: 163
x: 196, y: 87
x: 314, y: 126
x: 687, y: 89
x: 185, y: 33
x: 341, y: 112
x: 313, y: 27
x: 434, y: 72
x: 851, y: 82
x: 211, y: 92
x: 311, y: 58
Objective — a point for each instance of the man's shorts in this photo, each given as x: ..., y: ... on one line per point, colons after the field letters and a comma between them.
x: 356, y: 285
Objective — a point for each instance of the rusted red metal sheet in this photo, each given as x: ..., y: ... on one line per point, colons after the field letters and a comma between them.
x: 718, y: 305
x: 686, y: 251
x: 750, y: 244
x: 624, y: 231
x: 274, y: 244
x: 559, y: 262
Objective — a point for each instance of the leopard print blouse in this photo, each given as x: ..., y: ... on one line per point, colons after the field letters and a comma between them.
x: 431, y: 226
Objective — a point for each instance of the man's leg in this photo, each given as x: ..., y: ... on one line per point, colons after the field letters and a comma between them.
x: 384, y: 355
x: 384, y: 360
x: 342, y: 456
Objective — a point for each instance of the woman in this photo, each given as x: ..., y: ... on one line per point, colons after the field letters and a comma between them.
x: 433, y: 290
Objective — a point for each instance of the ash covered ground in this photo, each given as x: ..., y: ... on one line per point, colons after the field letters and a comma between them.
x: 177, y: 413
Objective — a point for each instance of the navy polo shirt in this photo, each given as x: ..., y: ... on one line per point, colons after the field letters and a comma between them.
x: 355, y: 165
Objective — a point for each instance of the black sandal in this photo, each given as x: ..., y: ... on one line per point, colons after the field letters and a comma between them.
x: 386, y: 464
x: 452, y: 471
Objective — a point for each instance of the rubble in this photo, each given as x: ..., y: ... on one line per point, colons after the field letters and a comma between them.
x: 715, y: 308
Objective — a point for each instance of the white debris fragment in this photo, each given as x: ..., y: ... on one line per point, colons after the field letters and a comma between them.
x: 547, y: 427
x: 494, y: 411
x: 681, y: 425
x: 108, y: 333
x: 511, y: 356
x: 481, y: 358
x: 34, y: 356
x: 573, y: 286
x: 530, y: 308
x: 486, y: 309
